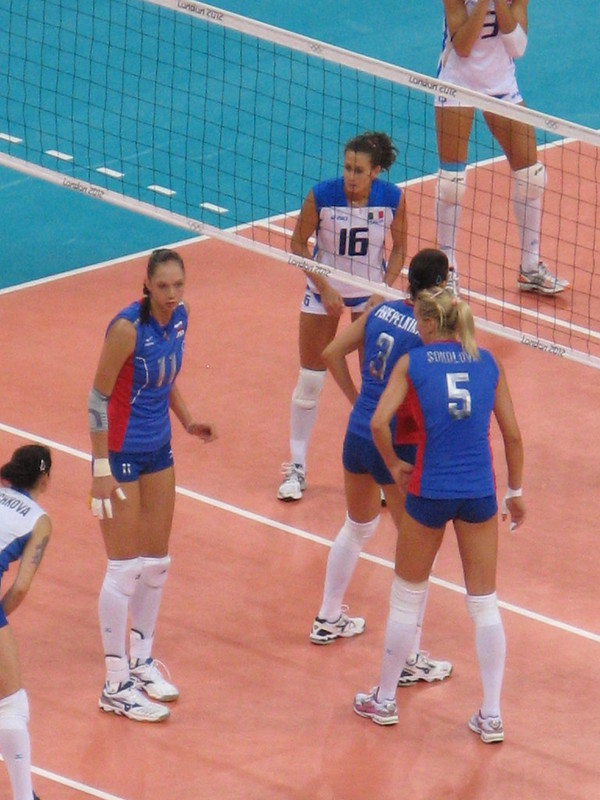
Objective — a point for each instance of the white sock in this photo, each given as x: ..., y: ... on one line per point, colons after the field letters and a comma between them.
x: 15, y: 745
x: 113, y: 608
x: 302, y: 421
x: 145, y: 605
x: 341, y: 563
x: 490, y: 643
x: 447, y: 218
x: 528, y: 214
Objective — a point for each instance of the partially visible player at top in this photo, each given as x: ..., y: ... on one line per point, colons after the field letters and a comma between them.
x: 351, y: 218
x: 25, y: 530
x: 482, y: 39
x: 134, y: 388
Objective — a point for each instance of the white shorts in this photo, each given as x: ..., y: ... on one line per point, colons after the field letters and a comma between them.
x: 448, y: 101
x: 311, y: 303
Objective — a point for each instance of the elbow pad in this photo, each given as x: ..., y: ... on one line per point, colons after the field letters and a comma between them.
x: 515, y: 42
x: 97, y: 411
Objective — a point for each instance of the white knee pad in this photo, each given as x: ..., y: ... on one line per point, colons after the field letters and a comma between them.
x: 406, y: 600
x: 354, y: 535
x: 483, y: 609
x: 14, y: 711
x: 121, y: 576
x: 451, y: 186
x: 155, y: 570
x: 309, y: 387
x: 529, y: 183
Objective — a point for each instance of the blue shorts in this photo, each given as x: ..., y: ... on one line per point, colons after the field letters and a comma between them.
x: 3, y: 620
x: 361, y: 457
x: 127, y: 467
x: 435, y: 513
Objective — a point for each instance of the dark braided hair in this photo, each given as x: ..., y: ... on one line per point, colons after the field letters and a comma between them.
x: 157, y: 257
x: 26, y: 465
x: 378, y: 146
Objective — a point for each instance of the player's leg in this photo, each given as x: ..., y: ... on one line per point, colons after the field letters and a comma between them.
x: 478, y: 546
x: 362, y: 519
x: 316, y: 330
x: 15, y: 746
x: 453, y: 128
x: 517, y: 140
x: 157, y: 503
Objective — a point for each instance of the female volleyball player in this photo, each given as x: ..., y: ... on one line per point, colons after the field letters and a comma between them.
x: 25, y: 529
x: 385, y: 333
x: 351, y: 217
x: 453, y: 389
x: 129, y: 403
x: 481, y: 40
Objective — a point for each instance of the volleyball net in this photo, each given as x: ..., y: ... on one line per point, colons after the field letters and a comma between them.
x: 221, y: 124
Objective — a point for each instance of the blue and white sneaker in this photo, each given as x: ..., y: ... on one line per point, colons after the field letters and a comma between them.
x: 490, y: 729
x: 382, y: 713
x: 126, y: 700
x: 344, y: 627
x: 419, y: 667
x: 147, y: 676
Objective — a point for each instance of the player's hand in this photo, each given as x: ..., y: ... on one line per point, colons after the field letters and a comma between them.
x: 203, y: 430
x: 100, y: 502
x: 401, y: 473
x: 516, y: 508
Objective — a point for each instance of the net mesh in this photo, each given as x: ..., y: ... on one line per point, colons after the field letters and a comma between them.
x: 221, y: 124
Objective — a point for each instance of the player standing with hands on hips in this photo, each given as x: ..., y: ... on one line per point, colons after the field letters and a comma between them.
x: 482, y: 39
x: 133, y: 480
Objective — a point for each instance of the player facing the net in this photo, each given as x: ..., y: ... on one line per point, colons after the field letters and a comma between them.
x: 482, y: 39
x: 351, y: 217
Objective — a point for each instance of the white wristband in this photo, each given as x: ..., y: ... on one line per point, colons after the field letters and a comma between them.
x: 513, y: 493
x: 100, y: 468
x: 515, y: 42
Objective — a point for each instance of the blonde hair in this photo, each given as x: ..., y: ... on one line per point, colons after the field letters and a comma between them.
x: 453, y: 317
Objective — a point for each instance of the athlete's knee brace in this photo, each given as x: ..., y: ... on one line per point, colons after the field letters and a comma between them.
x: 121, y: 576
x: 155, y: 570
x: 14, y: 711
x: 406, y: 600
x: 309, y: 387
x: 354, y: 535
x: 452, y: 185
x: 529, y: 183
x: 483, y: 609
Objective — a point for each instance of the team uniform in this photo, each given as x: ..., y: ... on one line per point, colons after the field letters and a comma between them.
x: 139, y: 425
x: 390, y: 332
x: 18, y: 515
x: 488, y: 69
x: 351, y: 238
x: 452, y: 397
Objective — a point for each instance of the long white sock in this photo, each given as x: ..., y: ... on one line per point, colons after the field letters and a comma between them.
x: 15, y: 745
x: 113, y: 608
x: 490, y: 645
x: 528, y: 214
x: 405, y: 605
x: 302, y: 422
x: 341, y: 563
x: 145, y: 605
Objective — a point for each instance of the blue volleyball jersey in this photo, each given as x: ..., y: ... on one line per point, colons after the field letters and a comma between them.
x: 452, y: 398
x: 18, y: 515
x: 390, y: 332
x: 353, y: 238
x: 138, y: 408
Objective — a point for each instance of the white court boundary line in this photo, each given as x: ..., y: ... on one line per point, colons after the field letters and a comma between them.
x: 308, y: 536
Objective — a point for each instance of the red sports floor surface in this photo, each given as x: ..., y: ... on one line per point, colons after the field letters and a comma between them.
x: 263, y: 714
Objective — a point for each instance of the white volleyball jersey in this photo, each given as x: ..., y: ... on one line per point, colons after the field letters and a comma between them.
x: 352, y: 239
x: 18, y: 515
x: 488, y: 68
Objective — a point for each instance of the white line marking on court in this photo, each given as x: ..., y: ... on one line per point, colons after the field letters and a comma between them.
x: 155, y: 187
x: 213, y: 207
x: 6, y: 137
x: 311, y: 537
x: 82, y: 787
x: 112, y: 173
x: 60, y: 156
